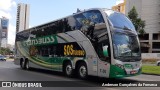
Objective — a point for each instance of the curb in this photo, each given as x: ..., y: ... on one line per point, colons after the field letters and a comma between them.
x: 151, y: 74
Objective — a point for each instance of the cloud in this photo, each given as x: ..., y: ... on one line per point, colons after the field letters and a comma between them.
x: 6, y: 7
x: 5, y: 14
x: 7, y: 4
x: 11, y: 34
x: 119, y: 1
x: 30, y: 26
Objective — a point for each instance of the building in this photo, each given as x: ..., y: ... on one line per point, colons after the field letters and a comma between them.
x: 120, y: 7
x: 22, y: 17
x: 3, y: 31
x: 148, y: 10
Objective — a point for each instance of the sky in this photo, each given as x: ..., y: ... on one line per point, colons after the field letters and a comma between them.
x: 43, y: 11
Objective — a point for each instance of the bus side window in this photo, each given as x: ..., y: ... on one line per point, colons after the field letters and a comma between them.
x: 103, y: 41
x: 53, y: 51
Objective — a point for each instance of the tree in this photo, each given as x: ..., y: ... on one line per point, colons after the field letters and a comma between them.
x: 5, y: 51
x: 137, y: 22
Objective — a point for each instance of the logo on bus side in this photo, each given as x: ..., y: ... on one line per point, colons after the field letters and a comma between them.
x: 41, y: 40
x: 70, y: 51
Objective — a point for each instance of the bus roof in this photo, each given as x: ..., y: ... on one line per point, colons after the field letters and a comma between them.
x: 49, y: 23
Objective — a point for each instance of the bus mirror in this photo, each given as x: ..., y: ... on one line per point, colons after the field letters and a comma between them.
x: 105, y: 51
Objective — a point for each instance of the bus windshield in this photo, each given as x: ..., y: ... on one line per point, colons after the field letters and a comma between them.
x: 119, y: 20
x: 125, y: 46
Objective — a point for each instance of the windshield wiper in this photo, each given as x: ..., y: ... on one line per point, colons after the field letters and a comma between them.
x: 126, y: 58
x: 126, y: 51
x: 124, y: 28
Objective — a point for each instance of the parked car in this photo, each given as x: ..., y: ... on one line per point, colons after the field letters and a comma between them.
x: 11, y: 56
x: 2, y: 58
x: 158, y: 63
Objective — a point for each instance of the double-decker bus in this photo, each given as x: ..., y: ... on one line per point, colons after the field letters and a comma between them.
x: 98, y: 42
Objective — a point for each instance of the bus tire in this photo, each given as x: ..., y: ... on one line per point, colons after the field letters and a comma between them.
x: 82, y: 71
x: 27, y: 65
x: 68, y: 70
x: 22, y: 64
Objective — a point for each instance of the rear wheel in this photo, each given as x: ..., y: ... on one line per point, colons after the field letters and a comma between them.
x: 82, y: 71
x: 22, y: 64
x: 68, y: 70
x: 27, y: 64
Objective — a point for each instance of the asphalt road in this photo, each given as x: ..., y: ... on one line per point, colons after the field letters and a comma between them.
x: 11, y: 72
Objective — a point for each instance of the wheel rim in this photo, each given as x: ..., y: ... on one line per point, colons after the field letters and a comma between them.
x: 82, y: 71
x: 68, y: 69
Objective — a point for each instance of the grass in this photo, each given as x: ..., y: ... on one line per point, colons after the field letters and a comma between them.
x: 151, y: 69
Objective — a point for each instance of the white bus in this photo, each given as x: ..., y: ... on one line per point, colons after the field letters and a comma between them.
x: 97, y: 42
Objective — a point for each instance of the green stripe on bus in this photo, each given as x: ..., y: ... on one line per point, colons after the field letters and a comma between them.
x: 116, y: 72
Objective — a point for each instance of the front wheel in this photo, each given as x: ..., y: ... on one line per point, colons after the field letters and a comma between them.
x: 82, y: 71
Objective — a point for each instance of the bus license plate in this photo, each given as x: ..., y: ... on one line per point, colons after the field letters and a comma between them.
x: 133, y: 72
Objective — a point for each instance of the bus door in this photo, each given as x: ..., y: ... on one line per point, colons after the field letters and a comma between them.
x: 103, y: 51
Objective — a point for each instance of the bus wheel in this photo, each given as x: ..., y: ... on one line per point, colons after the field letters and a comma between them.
x: 27, y: 64
x: 82, y: 71
x: 68, y: 70
x: 22, y: 64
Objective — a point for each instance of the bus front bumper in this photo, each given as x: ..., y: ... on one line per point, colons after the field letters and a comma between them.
x: 117, y: 72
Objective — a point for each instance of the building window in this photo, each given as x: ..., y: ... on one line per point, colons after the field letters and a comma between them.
x: 156, y: 45
x: 155, y: 36
x: 144, y: 47
x: 155, y: 51
x: 144, y: 37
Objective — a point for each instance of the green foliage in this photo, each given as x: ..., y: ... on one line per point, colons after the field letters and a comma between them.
x: 5, y: 51
x: 137, y: 22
